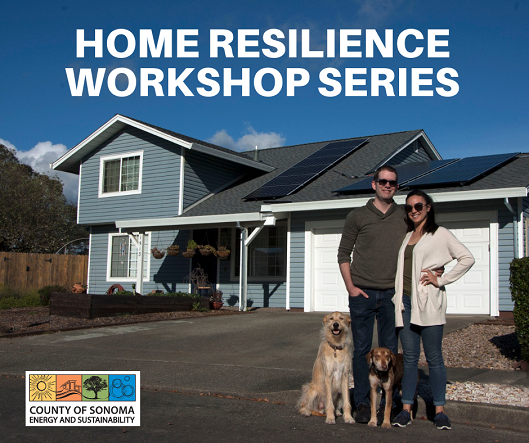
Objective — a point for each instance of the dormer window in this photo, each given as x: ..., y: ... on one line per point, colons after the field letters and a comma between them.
x: 120, y: 174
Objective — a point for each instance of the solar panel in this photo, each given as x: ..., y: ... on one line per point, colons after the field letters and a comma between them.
x: 406, y: 173
x: 463, y: 171
x: 301, y: 173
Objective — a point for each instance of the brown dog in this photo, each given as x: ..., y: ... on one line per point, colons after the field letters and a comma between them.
x: 328, y: 391
x: 385, y: 371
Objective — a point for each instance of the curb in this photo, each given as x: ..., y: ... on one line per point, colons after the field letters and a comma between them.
x: 133, y: 322
x: 515, y: 418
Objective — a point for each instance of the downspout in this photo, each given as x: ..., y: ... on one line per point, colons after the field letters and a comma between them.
x: 515, y: 227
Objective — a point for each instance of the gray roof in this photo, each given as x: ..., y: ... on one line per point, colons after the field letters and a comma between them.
x: 358, y: 163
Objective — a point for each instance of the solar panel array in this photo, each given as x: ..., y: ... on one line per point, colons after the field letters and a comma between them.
x: 405, y: 172
x: 300, y: 174
x: 463, y: 170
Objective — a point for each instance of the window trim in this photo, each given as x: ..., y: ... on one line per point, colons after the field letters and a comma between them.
x: 146, y: 270
x: 274, y: 279
x: 105, y: 158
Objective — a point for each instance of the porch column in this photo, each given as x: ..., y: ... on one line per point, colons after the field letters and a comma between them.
x: 243, y: 271
x: 139, y: 241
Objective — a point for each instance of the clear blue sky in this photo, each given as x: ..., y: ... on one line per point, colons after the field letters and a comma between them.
x: 488, y: 44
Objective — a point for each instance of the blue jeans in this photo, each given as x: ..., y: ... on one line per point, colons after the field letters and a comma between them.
x: 363, y: 313
x: 432, y: 341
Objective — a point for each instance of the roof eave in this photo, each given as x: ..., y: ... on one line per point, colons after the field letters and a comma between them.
x: 438, y: 197
x: 71, y: 160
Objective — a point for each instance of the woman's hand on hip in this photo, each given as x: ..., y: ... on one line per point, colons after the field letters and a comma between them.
x: 429, y: 278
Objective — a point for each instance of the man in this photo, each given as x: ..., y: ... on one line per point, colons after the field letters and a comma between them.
x: 376, y: 232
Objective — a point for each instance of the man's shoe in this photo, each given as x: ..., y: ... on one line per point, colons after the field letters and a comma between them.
x: 403, y: 419
x: 441, y: 421
x: 363, y: 413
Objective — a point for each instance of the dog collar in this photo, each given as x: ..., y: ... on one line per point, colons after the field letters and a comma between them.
x: 376, y: 371
x: 335, y: 348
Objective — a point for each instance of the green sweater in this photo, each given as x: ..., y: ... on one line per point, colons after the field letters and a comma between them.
x: 376, y: 238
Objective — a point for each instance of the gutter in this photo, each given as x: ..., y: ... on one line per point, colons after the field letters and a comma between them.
x: 438, y: 197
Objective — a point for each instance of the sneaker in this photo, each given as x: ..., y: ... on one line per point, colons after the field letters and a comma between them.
x: 363, y: 413
x: 441, y: 421
x: 403, y: 419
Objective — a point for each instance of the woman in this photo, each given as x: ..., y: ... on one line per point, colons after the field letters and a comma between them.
x: 420, y: 300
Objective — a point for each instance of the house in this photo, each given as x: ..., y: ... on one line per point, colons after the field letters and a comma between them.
x: 142, y: 186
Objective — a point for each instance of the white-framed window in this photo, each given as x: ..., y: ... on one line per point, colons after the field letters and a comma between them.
x: 267, y: 255
x: 121, y: 260
x: 120, y: 174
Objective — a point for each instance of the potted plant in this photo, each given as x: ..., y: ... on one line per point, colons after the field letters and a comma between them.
x: 173, y: 250
x: 158, y: 253
x: 191, y: 246
x: 199, y: 279
x: 79, y: 288
x: 223, y: 252
x: 215, y: 301
x: 206, y: 249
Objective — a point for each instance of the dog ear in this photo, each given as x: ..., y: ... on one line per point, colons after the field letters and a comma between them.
x: 325, y: 319
x: 369, y: 356
x: 348, y: 319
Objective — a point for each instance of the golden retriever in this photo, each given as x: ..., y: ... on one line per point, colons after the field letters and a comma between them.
x: 385, y: 371
x: 328, y: 391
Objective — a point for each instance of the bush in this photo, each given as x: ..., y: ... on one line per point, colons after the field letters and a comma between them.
x: 13, y: 298
x: 520, y: 295
x: 178, y: 294
x: 45, y: 293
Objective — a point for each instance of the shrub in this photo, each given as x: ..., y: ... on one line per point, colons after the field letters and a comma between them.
x: 519, y: 280
x: 179, y: 294
x: 12, y: 298
x: 45, y: 293
x: 123, y: 293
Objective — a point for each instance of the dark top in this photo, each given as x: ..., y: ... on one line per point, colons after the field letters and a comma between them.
x: 376, y: 238
x: 407, y: 271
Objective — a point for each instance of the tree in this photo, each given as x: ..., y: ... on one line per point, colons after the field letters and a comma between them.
x: 34, y: 213
x: 95, y: 384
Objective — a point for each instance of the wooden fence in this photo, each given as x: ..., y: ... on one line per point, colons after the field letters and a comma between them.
x: 32, y: 271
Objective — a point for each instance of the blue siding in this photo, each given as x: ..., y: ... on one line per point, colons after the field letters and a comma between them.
x: 413, y: 153
x: 160, y: 181
x: 166, y: 274
x: 205, y: 174
x: 298, y: 253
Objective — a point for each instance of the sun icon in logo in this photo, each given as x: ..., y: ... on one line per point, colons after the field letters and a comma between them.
x: 42, y: 387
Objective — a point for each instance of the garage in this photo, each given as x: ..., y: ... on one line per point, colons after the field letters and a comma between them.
x: 469, y: 295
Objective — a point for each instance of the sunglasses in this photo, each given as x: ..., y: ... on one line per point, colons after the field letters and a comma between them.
x: 384, y: 182
x: 417, y: 206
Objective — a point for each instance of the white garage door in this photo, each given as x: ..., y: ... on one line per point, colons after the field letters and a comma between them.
x: 469, y: 295
x: 328, y: 286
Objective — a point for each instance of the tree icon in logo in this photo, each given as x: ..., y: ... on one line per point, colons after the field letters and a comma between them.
x: 95, y: 384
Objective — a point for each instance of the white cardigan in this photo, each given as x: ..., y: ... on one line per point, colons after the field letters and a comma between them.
x: 428, y: 303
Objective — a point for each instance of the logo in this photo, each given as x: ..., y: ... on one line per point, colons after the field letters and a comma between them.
x: 82, y: 398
